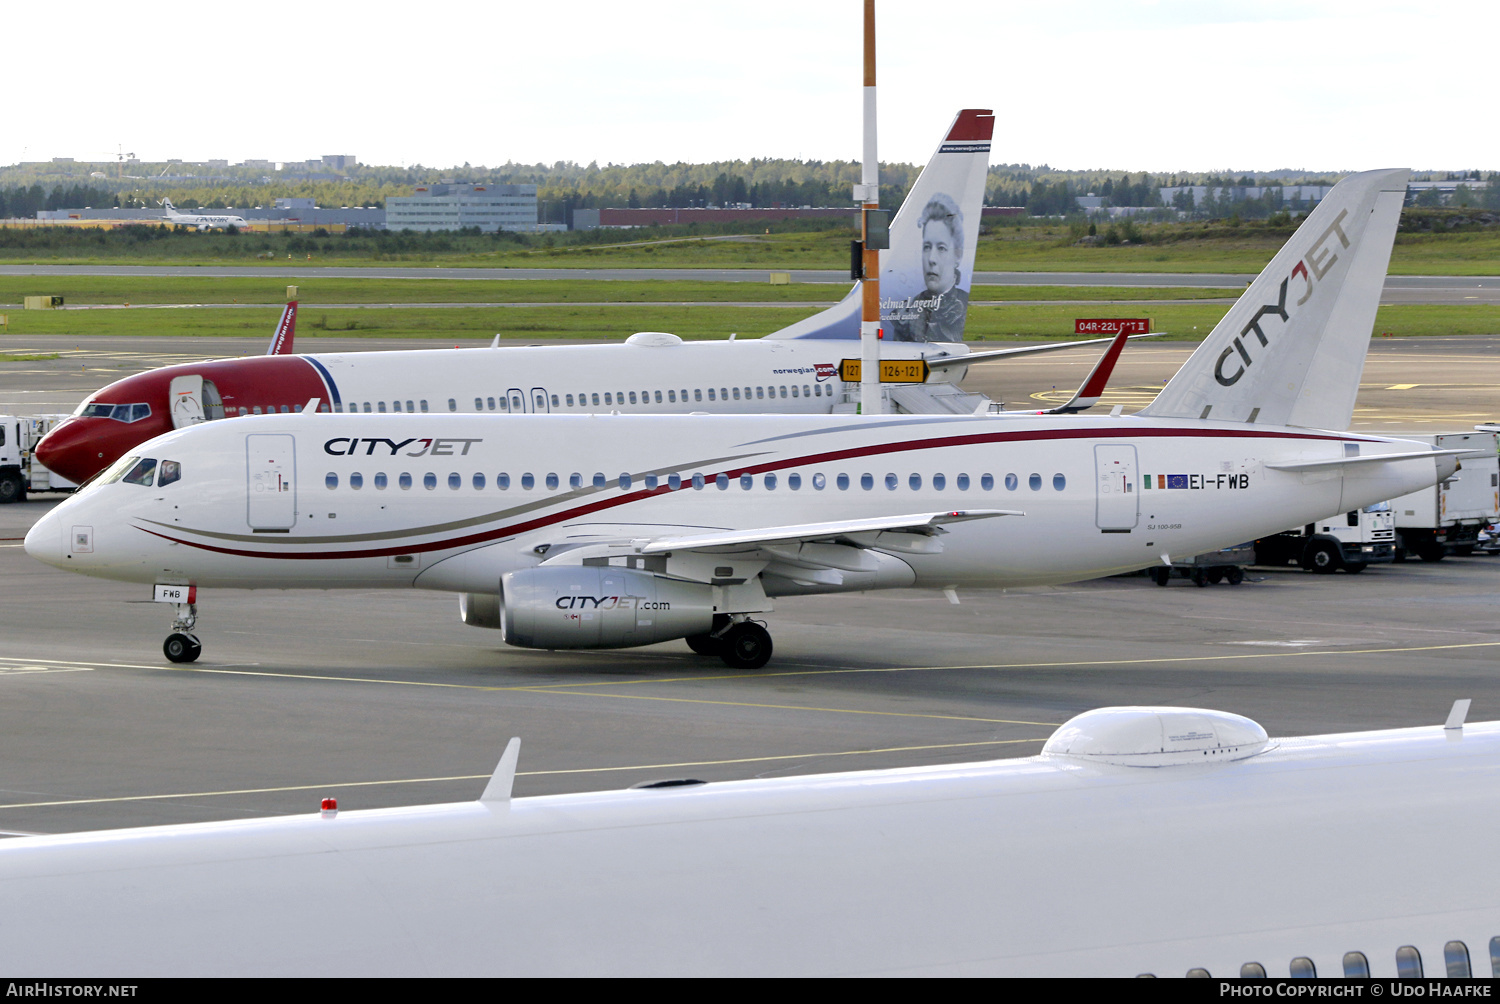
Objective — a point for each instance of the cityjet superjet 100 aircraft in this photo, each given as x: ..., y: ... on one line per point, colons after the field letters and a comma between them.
x: 596, y: 531
x: 1142, y: 841
x: 926, y: 275
x: 203, y: 221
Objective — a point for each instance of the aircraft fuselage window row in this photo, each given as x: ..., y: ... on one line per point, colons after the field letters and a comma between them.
x: 651, y: 482
x: 136, y: 412
x: 1456, y: 964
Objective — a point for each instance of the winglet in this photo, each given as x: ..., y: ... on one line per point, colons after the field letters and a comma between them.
x: 1093, y: 386
x: 1457, y: 715
x: 286, y: 329
x: 504, y: 778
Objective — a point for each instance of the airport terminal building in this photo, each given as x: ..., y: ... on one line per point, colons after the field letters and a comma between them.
x: 451, y: 207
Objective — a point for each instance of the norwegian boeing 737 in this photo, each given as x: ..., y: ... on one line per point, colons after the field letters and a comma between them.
x: 927, y: 274
x: 598, y: 531
x: 1142, y: 841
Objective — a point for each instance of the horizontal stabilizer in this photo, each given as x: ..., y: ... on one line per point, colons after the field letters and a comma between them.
x: 916, y: 523
x: 1375, y: 458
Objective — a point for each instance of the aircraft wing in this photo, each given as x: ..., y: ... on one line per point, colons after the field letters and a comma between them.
x: 1373, y: 458
x: 837, y: 530
x: 942, y: 362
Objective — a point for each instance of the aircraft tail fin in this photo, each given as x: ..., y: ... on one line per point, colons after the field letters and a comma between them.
x: 1292, y: 348
x: 949, y: 193
x: 286, y: 330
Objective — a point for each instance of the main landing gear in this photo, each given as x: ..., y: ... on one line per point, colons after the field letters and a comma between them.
x: 181, y: 646
x: 739, y: 641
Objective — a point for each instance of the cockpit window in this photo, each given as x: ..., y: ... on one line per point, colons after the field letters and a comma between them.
x: 119, y: 412
x: 171, y: 471
x: 142, y: 472
x: 117, y: 470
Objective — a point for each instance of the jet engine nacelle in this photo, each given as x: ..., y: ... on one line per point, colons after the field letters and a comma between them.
x: 593, y: 606
x: 479, y: 609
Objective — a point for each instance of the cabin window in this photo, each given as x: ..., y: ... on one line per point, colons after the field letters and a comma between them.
x: 843, y: 482
x: 650, y: 482
x: 478, y: 482
x: 632, y: 397
x: 502, y: 481
x: 404, y: 481
x: 323, y: 408
x: 396, y: 407
x: 455, y: 481
x: 914, y: 482
x: 963, y: 482
x: 554, y: 400
x: 867, y: 481
x: 171, y: 471
x: 1495, y: 956
x: 331, y: 480
x: 819, y: 482
x: 380, y: 407
x: 760, y: 393
x: 356, y: 481
x: 712, y: 396
x: 988, y: 482
x: 794, y: 481
x: 939, y: 482
x: 747, y: 481
x: 1252, y: 971
x: 1302, y: 968
x: 490, y: 403
x: 244, y: 412
x: 1059, y: 482
x: 286, y: 409
x: 256, y: 410
x: 409, y: 408
x: 794, y: 390
x: 698, y: 393
x: 783, y: 390
x: 1197, y: 973
x: 771, y: 482
x: 528, y: 481
x: 806, y: 391
x: 380, y: 481
x: 892, y: 482
x: 1012, y: 482
x: 722, y: 480
x: 478, y: 404
x: 429, y: 481
x: 625, y: 481
x: 552, y: 481
x: 575, y: 480
x: 672, y: 396
x: 658, y: 397
x: 570, y: 400
x: 599, y: 479
x: 1456, y: 960
x: 607, y: 398
x: 423, y: 406
x: 452, y: 405
x: 596, y: 400
x: 674, y: 481
x: 1408, y: 963
x: 736, y: 393
x: 1356, y: 966
x: 504, y: 404
x: 698, y: 481
x: 1034, y: 482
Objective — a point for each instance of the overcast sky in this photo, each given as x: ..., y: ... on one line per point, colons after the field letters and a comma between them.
x: 1128, y: 84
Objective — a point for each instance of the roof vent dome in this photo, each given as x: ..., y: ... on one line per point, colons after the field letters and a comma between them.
x: 1157, y: 737
x: 653, y: 339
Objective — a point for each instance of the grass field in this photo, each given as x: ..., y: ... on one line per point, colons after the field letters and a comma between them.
x: 1028, y: 248
x: 251, y: 289
x: 1185, y: 321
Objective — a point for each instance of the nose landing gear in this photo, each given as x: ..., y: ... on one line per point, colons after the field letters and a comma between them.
x: 181, y: 646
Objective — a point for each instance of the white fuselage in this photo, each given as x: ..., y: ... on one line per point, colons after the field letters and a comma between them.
x: 205, y: 221
x: 1043, y: 866
x: 455, y: 501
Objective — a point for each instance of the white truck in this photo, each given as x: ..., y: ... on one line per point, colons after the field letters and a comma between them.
x: 1349, y: 540
x: 20, y: 473
x: 1448, y: 517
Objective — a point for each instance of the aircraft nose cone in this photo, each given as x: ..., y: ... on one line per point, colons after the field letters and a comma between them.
x: 44, y: 541
x: 72, y: 451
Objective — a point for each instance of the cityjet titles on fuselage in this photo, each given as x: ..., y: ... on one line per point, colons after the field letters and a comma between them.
x: 344, y: 446
x: 1311, y: 267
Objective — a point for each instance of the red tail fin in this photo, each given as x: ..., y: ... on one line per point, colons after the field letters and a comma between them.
x: 286, y: 329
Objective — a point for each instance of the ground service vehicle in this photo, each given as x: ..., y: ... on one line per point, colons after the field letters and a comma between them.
x: 1432, y: 523
x: 20, y: 471
x: 1349, y: 540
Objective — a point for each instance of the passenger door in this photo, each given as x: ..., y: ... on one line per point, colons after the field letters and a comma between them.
x: 1117, y: 487
x: 271, y: 482
x: 185, y: 397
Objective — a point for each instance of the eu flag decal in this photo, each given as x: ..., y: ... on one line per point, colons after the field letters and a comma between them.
x: 1177, y: 480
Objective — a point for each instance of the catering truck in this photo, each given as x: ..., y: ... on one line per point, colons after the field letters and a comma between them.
x: 1349, y: 540
x: 20, y: 472
x: 1447, y: 518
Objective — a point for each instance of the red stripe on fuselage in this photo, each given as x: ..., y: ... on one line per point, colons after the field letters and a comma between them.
x: 490, y: 536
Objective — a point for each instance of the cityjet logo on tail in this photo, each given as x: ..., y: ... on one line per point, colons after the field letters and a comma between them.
x: 1312, y: 268
x: 343, y: 446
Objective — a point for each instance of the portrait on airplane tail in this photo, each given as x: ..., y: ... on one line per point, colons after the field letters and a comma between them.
x: 936, y: 312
